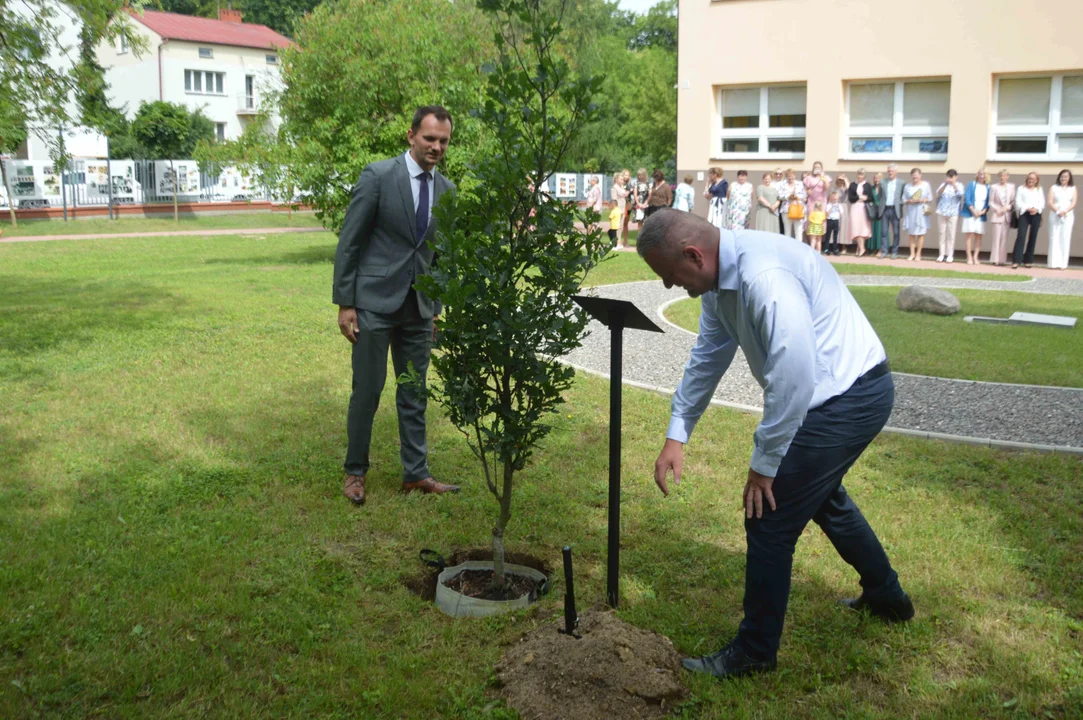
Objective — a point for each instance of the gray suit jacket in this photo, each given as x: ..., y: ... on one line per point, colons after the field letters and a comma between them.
x: 378, y: 257
x: 896, y: 201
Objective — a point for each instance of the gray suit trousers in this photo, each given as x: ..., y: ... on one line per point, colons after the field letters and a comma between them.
x: 409, y: 336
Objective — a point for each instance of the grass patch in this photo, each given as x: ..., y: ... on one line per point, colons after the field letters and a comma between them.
x: 34, y: 228
x: 619, y: 267
x: 174, y: 542
x: 951, y: 347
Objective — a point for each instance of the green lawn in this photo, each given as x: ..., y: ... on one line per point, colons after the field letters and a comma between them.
x: 174, y: 542
x: 125, y: 224
x: 951, y: 347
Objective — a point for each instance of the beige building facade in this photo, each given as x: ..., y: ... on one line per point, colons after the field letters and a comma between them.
x: 963, y: 84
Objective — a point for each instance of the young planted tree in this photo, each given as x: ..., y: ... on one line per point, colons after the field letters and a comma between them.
x: 510, y: 259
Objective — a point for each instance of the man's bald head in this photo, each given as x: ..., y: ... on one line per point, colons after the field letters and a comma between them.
x: 682, y: 249
x: 670, y: 230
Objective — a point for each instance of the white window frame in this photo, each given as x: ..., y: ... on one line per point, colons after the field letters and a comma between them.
x: 208, y: 79
x: 222, y: 135
x: 122, y: 45
x: 271, y: 59
x: 764, y: 132
x: 209, y: 53
x: 896, y: 131
x: 1049, y: 131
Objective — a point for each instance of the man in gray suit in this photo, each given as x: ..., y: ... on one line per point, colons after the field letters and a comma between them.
x: 891, y: 210
x: 382, y: 250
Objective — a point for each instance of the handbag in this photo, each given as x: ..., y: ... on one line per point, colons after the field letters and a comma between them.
x: 796, y: 211
x: 639, y: 214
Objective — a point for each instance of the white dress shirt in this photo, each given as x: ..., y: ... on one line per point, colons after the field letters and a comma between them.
x: 1027, y: 198
x: 803, y: 334
x: 415, y: 185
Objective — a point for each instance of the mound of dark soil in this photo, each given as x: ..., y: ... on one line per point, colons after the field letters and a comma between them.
x: 615, y: 671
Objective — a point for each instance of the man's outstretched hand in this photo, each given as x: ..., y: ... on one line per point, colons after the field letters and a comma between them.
x: 757, y: 488
x: 347, y: 323
x: 670, y: 458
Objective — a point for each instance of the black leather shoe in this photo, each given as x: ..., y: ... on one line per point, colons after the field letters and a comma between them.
x: 729, y: 662
x: 899, y: 610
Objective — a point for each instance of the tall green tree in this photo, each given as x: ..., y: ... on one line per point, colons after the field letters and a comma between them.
x: 360, y: 71
x: 12, y: 135
x: 33, y: 75
x: 510, y: 261
x: 168, y: 130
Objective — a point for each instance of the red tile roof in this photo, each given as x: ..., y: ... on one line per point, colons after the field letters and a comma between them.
x: 174, y: 26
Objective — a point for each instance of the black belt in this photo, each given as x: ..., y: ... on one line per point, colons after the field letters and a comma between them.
x: 877, y: 372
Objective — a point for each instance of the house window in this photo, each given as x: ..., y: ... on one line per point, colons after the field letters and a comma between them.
x: 1038, y: 118
x: 272, y: 59
x: 206, y: 53
x: 762, y: 122
x: 122, y: 44
x: 204, y: 83
x: 901, y: 120
x: 220, y: 131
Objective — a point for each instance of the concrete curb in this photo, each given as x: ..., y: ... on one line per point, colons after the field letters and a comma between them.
x: 160, y: 234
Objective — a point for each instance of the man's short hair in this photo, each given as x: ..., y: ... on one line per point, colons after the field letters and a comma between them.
x: 423, y: 112
x: 657, y: 231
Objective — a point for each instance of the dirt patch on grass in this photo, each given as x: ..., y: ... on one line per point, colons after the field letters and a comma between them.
x: 423, y: 584
x: 615, y: 670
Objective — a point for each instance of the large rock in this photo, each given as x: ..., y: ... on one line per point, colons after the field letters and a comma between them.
x: 926, y: 299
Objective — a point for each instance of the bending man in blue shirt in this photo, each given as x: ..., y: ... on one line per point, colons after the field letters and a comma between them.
x: 827, y: 392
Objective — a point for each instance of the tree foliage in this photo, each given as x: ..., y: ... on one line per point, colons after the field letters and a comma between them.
x: 280, y: 15
x: 361, y: 69
x: 167, y: 131
x: 39, y: 74
x: 509, y: 260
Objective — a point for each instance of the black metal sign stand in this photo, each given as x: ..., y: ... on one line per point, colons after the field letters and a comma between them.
x: 616, y: 315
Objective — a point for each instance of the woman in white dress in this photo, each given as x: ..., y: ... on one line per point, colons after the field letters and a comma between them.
x: 975, y: 210
x: 1062, y: 201
x: 916, y: 196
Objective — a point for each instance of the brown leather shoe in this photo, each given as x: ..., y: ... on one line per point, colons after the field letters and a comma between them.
x: 354, y: 489
x: 428, y: 485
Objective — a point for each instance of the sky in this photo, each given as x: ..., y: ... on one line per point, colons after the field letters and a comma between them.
x: 639, y: 6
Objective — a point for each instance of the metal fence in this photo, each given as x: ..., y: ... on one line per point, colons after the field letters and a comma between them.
x: 37, y: 184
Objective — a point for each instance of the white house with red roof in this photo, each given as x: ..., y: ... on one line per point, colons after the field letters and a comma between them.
x: 222, y: 66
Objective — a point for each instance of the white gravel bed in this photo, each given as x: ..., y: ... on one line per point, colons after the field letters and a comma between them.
x: 997, y: 411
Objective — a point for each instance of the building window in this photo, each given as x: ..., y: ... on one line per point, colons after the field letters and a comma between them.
x: 1038, y: 118
x: 762, y: 122
x: 272, y: 59
x: 204, y: 83
x: 901, y: 120
x: 206, y: 53
x: 122, y: 44
x: 220, y: 131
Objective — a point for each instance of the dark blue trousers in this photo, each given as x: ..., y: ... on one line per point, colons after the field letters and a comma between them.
x: 808, y: 486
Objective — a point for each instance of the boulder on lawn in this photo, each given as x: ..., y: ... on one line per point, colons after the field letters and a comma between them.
x: 917, y: 298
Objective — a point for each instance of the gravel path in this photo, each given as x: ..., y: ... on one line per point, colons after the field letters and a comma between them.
x: 978, y: 411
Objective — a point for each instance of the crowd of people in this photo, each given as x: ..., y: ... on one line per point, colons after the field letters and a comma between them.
x: 866, y: 216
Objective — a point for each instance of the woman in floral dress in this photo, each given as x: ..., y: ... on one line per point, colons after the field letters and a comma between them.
x: 739, y: 202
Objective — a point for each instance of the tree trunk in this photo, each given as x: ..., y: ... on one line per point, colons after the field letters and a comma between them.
x: 501, y: 524
x: 173, y: 171
x: 11, y: 196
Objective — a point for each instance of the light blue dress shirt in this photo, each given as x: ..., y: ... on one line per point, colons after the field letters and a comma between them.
x: 803, y: 334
